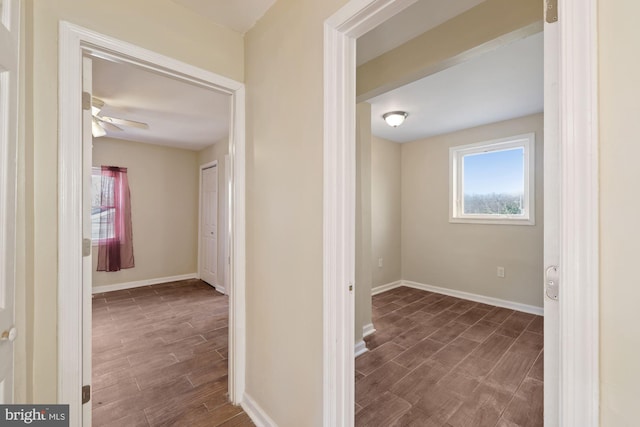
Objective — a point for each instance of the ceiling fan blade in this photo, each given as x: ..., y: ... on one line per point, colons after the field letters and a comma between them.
x: 123, y: 122
x: 97, y: 130
x: 109, y: 126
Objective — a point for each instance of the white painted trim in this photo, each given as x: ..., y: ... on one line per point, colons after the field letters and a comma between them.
x: 141, y: 283
x: 338, y: 234
x: 226, y: 222
x: 237, y: 242
x: 367, y: 330
x: 459, y: 294
x: 579, y: 215
x: 202, y: 167
x: 256, y: 413
x: 360, y: 348
x: 512, y: 305
x: 74, y: 41
x: 384, y: 288
x: 70, y: 174
x: 340, y: 32
x: 579, y: 304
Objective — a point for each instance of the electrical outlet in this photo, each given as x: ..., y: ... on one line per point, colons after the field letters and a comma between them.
x: 500, y: 271
x: 379, y: 262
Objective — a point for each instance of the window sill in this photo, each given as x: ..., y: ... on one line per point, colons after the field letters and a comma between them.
x: 490, y: 221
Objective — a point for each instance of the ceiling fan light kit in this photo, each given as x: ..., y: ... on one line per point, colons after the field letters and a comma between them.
x: 395, y: 118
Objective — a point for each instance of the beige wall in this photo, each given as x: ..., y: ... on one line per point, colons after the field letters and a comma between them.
x: 159, y: 25
x: 619, y: 35
x: 284, y: 64
x: 464, y: 257
x: 385, y: 211
x: 363, y: 220
x: 164, y: 209
x: 217, y: 152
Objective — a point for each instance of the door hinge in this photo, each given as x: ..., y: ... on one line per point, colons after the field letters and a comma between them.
x: 86, y: 393
x: 551, y: 11
x: 86, y: 247
x: 86, y: 101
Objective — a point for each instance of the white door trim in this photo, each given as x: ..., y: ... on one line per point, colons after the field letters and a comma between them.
x: 75, y: 41
x: 579, y: 343
x: 201, y: 168
x: 579, y: 215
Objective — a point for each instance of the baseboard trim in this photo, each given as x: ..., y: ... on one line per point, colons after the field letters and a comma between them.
x: 256, y: 413
x: 141, y: 283
x: 384, y: 288
x: 532, y: 309
x: 361, y: 348
x: 368, y: 330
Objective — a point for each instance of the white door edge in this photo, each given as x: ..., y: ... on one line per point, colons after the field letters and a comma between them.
x: 579, y: 345
x: 74, y: 41
x: 87, y: 261
x: 551, y: 256
x: 10, y: 81
x: 225, y: 223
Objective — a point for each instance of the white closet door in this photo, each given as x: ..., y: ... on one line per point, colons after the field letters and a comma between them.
x: 209, y: 226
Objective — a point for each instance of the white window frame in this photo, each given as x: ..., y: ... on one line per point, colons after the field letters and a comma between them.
x: 456, y: 180
x: 96, y: 171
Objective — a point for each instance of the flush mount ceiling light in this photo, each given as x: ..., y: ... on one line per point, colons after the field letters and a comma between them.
x: 394, y: 118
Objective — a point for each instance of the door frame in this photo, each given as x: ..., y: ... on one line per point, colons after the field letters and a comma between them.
x: 578, y: 225
x: 74, y: 42
x: 201, y: 169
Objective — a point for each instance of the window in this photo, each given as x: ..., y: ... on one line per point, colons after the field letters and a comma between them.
x: 492, y: 182
x: 111, y: 227
x: 102, y: 206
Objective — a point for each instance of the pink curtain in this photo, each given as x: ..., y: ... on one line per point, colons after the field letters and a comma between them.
x: 115, y: 247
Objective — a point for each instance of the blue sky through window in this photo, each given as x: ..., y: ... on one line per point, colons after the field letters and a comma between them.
x: 494, y: 172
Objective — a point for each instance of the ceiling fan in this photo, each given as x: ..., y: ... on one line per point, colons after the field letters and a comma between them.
x: 100, y: 124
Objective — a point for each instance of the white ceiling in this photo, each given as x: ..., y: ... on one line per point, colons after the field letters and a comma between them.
x: 239, y: 15
x: 179, y: 114
x: 408, y: 24
x: 500, y: 85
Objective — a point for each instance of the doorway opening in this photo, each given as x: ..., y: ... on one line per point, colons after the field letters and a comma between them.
x: 575, y: 334
x: 76, y: 45
x: 455, y: 241
x: 160, y: 330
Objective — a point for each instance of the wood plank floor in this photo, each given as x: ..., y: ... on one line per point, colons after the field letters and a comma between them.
x: 160, y: 357
x: 436, y: 360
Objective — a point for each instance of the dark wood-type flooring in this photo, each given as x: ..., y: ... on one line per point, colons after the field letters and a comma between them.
x: 160, y: 357
x: 436, y: 360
